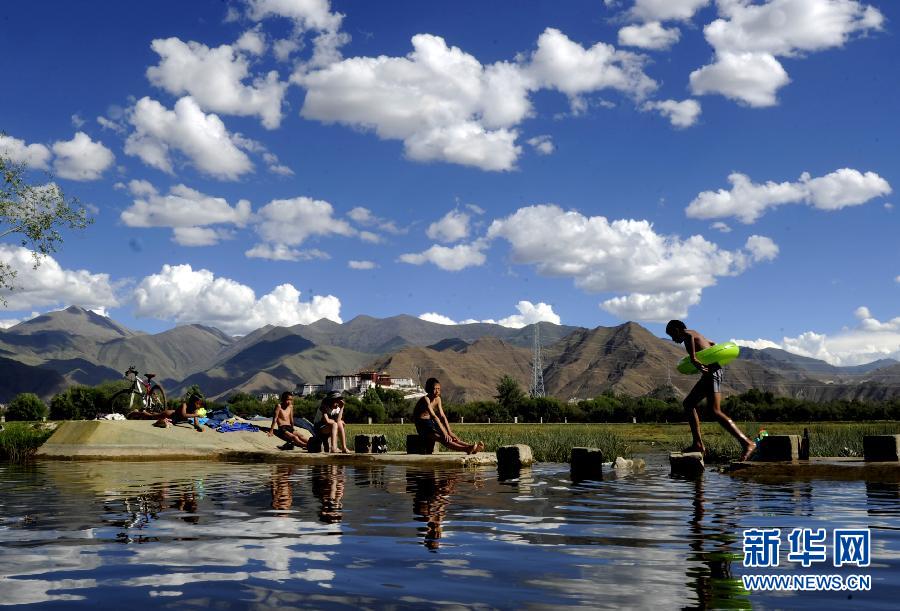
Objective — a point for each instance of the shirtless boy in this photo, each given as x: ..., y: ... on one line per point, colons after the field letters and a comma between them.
x: 709, y: 388
x: 431, y: 422
x: 284, y: 420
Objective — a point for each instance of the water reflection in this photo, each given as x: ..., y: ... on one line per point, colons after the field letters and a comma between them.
x: 431, y: 492
x: 713, y: 541
x: 328, y: 487
x: 237, y: 535
x: 282, y: 493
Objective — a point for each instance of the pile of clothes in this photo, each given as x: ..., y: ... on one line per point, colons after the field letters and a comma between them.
x: 223, y: 421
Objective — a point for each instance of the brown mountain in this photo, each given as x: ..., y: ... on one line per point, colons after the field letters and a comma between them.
x: 466, y: 373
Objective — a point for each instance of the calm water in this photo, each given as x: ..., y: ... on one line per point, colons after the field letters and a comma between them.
x: 218, y: 535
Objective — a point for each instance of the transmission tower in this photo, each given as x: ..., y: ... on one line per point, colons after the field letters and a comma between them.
x: 537, y: 365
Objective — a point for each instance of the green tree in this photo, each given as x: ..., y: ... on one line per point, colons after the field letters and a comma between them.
x: 37, y: 213
x: 26, y: 406
x: 76, y: 403
x: 509, y: 394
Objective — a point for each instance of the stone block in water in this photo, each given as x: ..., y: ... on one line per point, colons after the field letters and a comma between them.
x: 686, y: 463
x: 416, y: 444
x: 513, y: 458
x: 881, y: 448
x: 586, y: 463
x: 778, y: 448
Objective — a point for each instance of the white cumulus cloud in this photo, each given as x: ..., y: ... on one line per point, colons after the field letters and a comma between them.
x: 528, y: 314
x: 543, y: 144
x: 34, y: 156
x: 352, y: 264
x: 52, y: 285
x: 180, y: 294
x: 307, y: 16
x: 749, y: 36
x: 451, y: 259
x: 200, y: 236
x: 447, y: 106
x: 622, y: 256
x: 681, y: 114
x: 452, y: 227
x: 870, y: 340
x: 81, y: 158
x: 181, y: 207
x: 215, y: 78
x: 280, y: 252
x: 747, y: 201
x: 201, y: 138
x: 292, y: 221
x: 666, y: 10
x: 650, y: 35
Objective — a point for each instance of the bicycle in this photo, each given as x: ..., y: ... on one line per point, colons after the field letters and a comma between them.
x: 151, y: 397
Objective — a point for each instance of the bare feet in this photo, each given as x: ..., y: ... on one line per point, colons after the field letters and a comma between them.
x: 345, y: 451
x: 748, y: 452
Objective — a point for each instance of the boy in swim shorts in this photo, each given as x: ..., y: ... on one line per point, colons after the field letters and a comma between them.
x: 709, y: 387
x: 284, y: 420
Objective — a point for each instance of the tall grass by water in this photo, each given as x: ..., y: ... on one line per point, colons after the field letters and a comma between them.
x: 554, y: 442
x: 20, y: 440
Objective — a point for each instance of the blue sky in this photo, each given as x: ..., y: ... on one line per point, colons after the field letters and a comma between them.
x: 731, y: 163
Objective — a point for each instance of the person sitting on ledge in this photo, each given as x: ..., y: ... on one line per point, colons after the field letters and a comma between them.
x: 189, y: 408
x: 329, y: 421
x: 432, y: 424
x: 284, y: 420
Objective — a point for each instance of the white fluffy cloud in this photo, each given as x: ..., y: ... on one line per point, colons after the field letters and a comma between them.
x: 666, y: 10
x: 307, y: 16
x: 200, y: 236
x: 364, y: 217
x: 51, y: 285
x: 81, y: 158
x: 181, y: 207
x: 623, y: 256
x: 653, y: 307
x: 291, y: 221
x: 870, y: 340
x: 446, y: 106
x: 751, y: 78
x: 747, y: 201
x: 452, y: 227
x: 451, y: 259
x: 361, y: 264
x: 650, y: 35
x: 280, y: 252
x: 749, y: 36
x: 543, y: 144
x: 215, y: 78
x: 201, y: 138
x: 179, y: 293
x: 34, y: 156
x: 681, y: 114
x: 529, y: 313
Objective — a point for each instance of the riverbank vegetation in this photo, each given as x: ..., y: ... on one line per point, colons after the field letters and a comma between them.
x: 554, y: 442
x: 20, y: 440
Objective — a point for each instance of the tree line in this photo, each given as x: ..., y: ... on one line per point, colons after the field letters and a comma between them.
x: 511, y: 402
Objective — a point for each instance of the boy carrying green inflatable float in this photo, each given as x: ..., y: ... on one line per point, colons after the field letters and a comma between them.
x: 708, y: 387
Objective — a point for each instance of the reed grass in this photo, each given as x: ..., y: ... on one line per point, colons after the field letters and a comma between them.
x: 20, y: 440
x: 554, y: 442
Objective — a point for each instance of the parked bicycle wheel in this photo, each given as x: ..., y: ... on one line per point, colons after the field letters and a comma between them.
x: 124, y: 401
x: 157, y: 400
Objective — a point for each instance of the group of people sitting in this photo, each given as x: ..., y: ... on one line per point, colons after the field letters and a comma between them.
x: 428, y: 415
x: 328, y: 424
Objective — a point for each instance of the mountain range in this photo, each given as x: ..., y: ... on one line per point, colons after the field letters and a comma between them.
x: 76, y: 346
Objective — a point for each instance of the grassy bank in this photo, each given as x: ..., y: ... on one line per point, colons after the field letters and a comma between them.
x: 553, y: 442
x: 20, y: 440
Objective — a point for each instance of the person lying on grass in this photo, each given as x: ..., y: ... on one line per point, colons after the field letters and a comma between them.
x: 284, y: 420
x: 432, y: 423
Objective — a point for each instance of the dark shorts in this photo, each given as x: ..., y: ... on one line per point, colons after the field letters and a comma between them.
x: 286, y: 428
x: 427, y: 427
x: 715, y: 377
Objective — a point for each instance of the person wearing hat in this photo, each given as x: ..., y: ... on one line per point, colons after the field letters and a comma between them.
x: 329, y: 421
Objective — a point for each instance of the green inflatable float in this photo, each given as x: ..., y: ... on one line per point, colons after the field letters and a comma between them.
x: 722, y: 354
